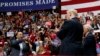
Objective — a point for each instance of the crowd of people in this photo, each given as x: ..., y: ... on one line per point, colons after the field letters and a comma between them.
x: 36, y: 31
x: 39, y: 33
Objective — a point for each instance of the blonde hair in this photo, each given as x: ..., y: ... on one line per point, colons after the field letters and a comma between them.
x: 73, y: 11
x: 41, y: 49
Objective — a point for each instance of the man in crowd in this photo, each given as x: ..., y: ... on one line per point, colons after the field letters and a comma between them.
x: 71, y: 35
x: 89, y: 42
x: 20, y: 47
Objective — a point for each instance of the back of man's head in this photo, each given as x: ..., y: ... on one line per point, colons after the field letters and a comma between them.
x: 72, y: 13
x: 87, y: 28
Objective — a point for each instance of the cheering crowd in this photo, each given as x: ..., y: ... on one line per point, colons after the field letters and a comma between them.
x: 36, y: 31
x: 40, y: 33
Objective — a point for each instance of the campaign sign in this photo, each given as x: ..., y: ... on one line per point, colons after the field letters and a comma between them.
x: 20, y: 5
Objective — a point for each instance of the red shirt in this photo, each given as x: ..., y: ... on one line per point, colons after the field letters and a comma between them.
x: 2, y: 42
x: 32, y: 37
x: 47, y: 48
x: 45, y: 54
x: 53, y: 35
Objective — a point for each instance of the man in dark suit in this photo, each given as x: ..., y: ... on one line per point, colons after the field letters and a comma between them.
x: 19, y: 47
x: 89, y: 42
x: 71, y: 35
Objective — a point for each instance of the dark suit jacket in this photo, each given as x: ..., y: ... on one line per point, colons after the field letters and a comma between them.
x: 90, y: 45
x: 15, y: 48
x: 71, y: 35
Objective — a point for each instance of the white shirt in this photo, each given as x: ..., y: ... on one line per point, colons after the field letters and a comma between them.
x: 21, y: 48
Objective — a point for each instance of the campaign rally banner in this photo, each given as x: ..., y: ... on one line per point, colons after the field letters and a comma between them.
x: 18, y: 5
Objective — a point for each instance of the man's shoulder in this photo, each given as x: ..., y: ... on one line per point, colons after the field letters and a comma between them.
x: 76, y: 19
x: 67, y: 21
